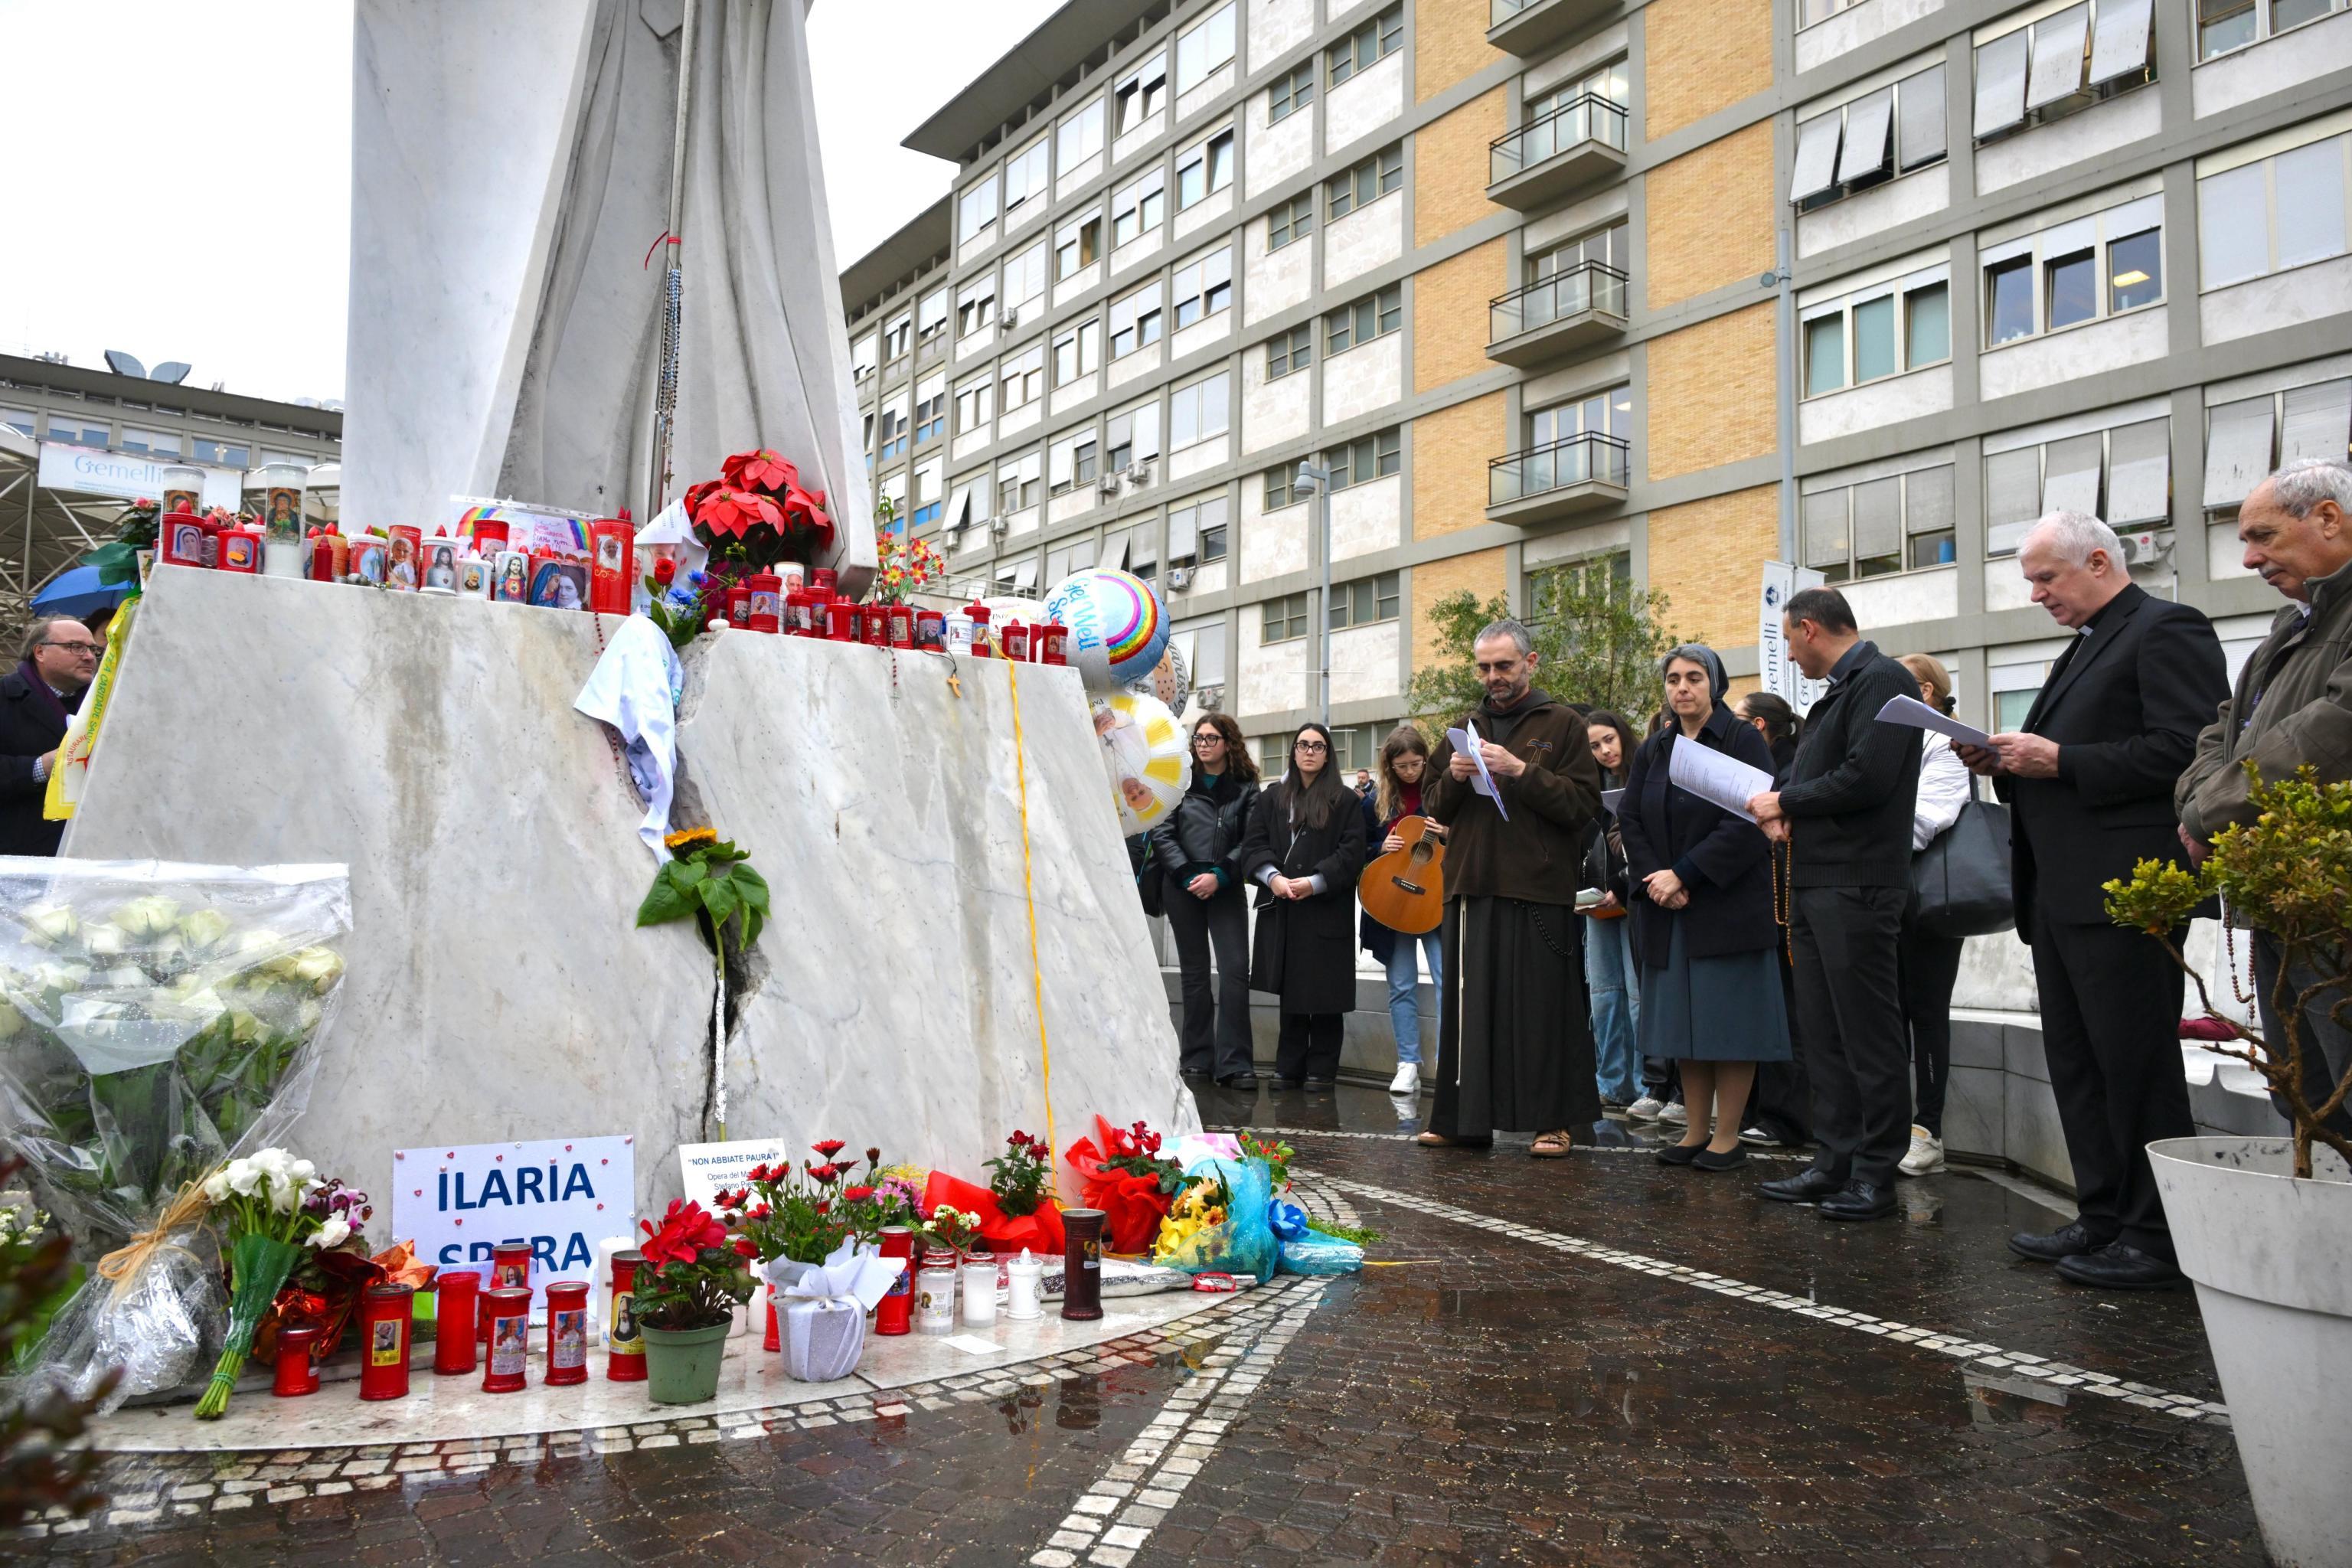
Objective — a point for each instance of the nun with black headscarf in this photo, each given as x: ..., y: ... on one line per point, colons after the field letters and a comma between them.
x: 1702, y: 911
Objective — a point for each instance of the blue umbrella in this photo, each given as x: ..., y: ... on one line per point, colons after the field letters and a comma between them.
x: 77, y: 593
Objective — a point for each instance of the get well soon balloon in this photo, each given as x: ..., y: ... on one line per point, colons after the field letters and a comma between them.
x: 1145, y: 756
x: 1118, y: 629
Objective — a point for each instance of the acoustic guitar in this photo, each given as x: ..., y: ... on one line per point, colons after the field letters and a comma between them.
x: 1405, y: 888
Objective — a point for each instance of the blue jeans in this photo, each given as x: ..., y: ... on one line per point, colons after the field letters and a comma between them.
x: 1616, y: 1010
x: 1404, y: 975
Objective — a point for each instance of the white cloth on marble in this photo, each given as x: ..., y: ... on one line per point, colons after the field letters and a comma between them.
x: 635, y: 688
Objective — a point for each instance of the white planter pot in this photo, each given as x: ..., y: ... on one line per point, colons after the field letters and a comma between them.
x: 2271, y: 1257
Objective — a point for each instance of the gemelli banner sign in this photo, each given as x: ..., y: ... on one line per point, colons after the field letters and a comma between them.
x: 561, y: 1194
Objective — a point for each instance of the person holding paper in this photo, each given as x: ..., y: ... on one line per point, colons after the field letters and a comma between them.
x: 1703, y: 917
x: 1930, y: 963
x: 1845, y: 813
x: 2089, y: 779
x: 1515, y: 1041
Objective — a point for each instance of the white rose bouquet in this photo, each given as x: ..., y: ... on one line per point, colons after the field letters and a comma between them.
x: 262, y: 1207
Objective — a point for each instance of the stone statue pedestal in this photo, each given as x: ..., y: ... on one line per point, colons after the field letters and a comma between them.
x: 497, y: 988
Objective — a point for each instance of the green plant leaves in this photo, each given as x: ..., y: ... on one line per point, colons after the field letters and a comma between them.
x: 718, y: 883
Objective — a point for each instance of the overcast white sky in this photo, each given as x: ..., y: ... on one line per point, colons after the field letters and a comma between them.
x: 185, y: 188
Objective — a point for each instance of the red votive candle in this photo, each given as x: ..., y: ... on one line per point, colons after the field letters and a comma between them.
x: 902, y: 625
x: 296, y: 1375
x: 893, y: 1312
x: 625, y: 1347
x: 457, y: 1308
x: 510, y: 1309
x: 841, y: 621
x: 567, y: 1330
x: 386, y: 1314
x: 510, y: 1265
x: 765, y: 607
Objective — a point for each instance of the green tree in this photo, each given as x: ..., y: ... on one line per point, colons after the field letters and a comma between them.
x: 1598, y: 638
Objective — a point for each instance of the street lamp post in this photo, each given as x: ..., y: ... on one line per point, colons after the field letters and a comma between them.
x: 1318, y: 480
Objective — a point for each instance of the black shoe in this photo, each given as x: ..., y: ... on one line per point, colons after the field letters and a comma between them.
x: 1239, y: 1080
x: 1319, y: 1085
x: 1290, y: 1083
x: 2071, y: 1242
x: 1709, y: 1160
x: 1859, y: 1200
x: 1678, y: 1153
x: 1809, y: 1185
x: 2119, y: 1265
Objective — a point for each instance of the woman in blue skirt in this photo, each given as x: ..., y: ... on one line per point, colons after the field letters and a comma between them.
x: 1703, y: 917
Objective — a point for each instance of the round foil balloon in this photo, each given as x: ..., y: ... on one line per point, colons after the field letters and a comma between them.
x: 1171, y: 680
x: 1118, y: 630
x: 1145, y: 756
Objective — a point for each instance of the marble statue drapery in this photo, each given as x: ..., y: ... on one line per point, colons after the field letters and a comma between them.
x: 511, y: 169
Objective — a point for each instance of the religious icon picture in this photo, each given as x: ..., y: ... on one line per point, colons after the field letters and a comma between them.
x: 368, y: 560
x: 384, y: 1348
x: 474, y: 577
x: 285, y: 513
x: 402, y: 571
x: 181, y: 500
x: 608, y: 552
x: 441, y: 563
x: 559, y: 585
x: 514, y: 577
x: 625, y: 1319
x: 183, y: 543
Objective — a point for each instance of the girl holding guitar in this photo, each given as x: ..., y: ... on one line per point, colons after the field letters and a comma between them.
x: 1409, y: 874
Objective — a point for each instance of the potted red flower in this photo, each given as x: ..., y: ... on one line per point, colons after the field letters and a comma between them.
x: 1122, y: 1175
x: 754, y: 515
x: 696, y: 1275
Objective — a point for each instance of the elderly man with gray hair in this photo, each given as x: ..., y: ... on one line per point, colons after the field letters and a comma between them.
x: 2089, y: 778
x: 2291, y: 707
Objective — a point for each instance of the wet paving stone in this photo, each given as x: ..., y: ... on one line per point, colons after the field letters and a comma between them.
x: 1591, y: 1361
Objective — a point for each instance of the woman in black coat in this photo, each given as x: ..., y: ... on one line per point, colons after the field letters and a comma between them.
x: 1305, y: 848
x: 1197, y: 852
x: 1703, y: 917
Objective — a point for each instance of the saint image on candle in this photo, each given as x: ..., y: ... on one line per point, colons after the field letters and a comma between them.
x: 513, y: 1336
x: 511, y: 586
x: 403, y: 563
x: 570, y: 1336
x: 387, y: 1338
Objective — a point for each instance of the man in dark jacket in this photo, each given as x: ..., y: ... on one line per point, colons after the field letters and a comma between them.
x: 2089, y: 780
x: 60, y: 659
x: 1514, y: 1032
x: 1846, y: 814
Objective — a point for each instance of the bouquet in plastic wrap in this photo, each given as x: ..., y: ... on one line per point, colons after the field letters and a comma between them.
x: 1306, y: 1250
x: 156, y: 1020
x: 1121, y: 1174
x: 1218, y: 1222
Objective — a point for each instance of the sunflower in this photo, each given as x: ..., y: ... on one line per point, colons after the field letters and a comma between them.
x: 688, y: 837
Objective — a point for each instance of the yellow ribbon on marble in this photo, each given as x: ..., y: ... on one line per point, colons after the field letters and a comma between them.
x: 1029, y: 897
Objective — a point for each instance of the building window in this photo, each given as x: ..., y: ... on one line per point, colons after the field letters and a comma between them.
x: 1136, y: 321
x: 1364, y: 601
x: 1291, y: 91
x: 1077, y: 353
x: 1282, y: 620
x: 1079, y: 137
x: 1023, y: 380
x: 1548, y: 588
x: 1290, y: 351
x: 1205, y: 169
x: 1888, y: 329
x: 1076, y: 246
x: 976, y: 210
x: 220, y: 453
x: 1075, y: 556
x: 1813, y: 11
x: 153, y: 443
x: 1870, y: 141
x: 1196, y: 529
x: 1202, y: 646
x: 968, y: 500
x: 865, y: 356
x: 2245, y: 441
x: 1197, y: 412
x: 1205, y: 50
x: 1368, y: 45
x: 926, y: 500
x: 1591, y: 108
x: 1367, y: 181
x: 2226, y: 25
x: 2271, y: 214
x: 1607, y: 413
x: 1018, y: 484
x: 2057, y: 64
x: 1367, y: 459
x: 931, y: 408
x: 932, y: 316
x: 1204, y: 287
x: 1293, y: 219
x: 1027, y: 177
x: 1139, y: 209
x: 897, y: 337
x: 1024, y: 278
x: 976, y: 307
x: 1570, y: 444
x: 1071, y: 462
x: 2124, y: 475
x: 975, y: 403
x: 1373, y: 316
x: 2084, y: 269
x: 1880, y: 526
x: 1133, y: 436
x: 1281, y: 486
x: 1142, y: 95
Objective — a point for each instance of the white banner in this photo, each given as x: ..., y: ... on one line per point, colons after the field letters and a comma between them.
x: 709, y: 1169
x: 561, y: 1194
x: 1777, y: 671
x: 92, y: 471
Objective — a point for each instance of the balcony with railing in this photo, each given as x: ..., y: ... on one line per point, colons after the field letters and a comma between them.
x: 1571, y: 310
x: 1584, y: 473
x: 1530, y: 27
x: 1581, y: 142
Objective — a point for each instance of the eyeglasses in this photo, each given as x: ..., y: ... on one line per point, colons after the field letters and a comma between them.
x: 1210, y: 740
x: 85, y: 648
x: 1311, y: 746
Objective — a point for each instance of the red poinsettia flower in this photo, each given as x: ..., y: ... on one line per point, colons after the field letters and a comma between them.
x: 760, y: 470
x: 685, y: 1230
x: 830, y: 1147
x: 734, y: 512
x: 696, y: 493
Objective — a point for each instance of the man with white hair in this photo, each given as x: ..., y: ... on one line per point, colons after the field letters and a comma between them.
x: 2089, y: 778
x: 2291, y: 707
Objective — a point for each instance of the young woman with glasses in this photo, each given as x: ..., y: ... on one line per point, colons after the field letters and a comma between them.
x: 1303, y: 849
x: 1198, y: 848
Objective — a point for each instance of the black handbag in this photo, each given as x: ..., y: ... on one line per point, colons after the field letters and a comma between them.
x: 1150, y: 886
x: 1960, y: 883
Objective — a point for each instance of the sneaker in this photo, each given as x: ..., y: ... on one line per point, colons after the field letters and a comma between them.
x: 1926, y: 1155
x: 1407, y: 1079
x: 1646, y: 1108
x: 1674, y: 1115
x: 1762, y: 1137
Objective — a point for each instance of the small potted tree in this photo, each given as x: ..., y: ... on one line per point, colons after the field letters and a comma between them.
x: 696, y: 1275
x: 2263, y: 1226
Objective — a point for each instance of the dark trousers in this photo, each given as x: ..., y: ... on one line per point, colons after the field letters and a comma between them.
x: 1216, y: 1032
x: 1309, y: 1046
x: 1850, y: 1008
x: 2327, y: 1044
x: 1782, y: 1100
x: 2111, y: 1034
x: 1931, y: 966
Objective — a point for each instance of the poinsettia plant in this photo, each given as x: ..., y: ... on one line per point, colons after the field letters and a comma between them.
x: 1017, y: 1176
x: 757, y: 512
x: 695, y: 1274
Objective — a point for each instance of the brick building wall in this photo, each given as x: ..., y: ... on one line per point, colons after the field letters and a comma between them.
x: 1712, y: 393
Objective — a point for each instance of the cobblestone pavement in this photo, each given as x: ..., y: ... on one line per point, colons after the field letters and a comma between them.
x: 1591, y: 1361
